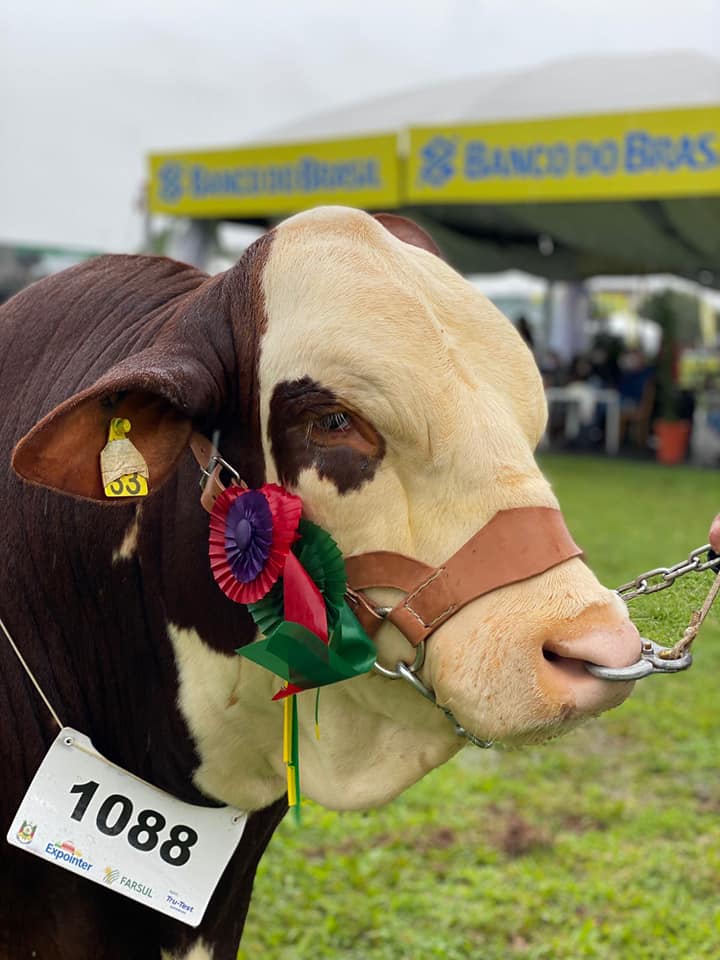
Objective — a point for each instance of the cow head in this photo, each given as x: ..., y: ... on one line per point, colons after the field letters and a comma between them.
x: 404, y: 410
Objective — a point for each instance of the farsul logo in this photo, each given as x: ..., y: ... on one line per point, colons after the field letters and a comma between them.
x: 112, y: 875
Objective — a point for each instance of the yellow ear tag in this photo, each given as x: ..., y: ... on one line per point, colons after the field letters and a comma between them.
x: 123, y: 468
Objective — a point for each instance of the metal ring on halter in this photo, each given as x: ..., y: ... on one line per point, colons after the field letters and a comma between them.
x: 398, y: 672
x: 650, y: 662
x: 407, y: 674
x: 217, y: 461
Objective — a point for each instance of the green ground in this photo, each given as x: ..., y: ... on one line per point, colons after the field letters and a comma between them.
x: 603, y: 844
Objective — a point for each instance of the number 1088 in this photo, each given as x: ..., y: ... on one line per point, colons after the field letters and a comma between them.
x: 114, y: 816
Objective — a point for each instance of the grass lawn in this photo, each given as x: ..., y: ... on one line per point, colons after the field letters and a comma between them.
x: 603, y: 844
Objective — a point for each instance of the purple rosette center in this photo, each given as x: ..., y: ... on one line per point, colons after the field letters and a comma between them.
x: 243, y: 533
x: 248, y: 535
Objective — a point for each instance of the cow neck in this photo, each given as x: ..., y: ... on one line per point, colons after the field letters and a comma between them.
x: 515, y: 545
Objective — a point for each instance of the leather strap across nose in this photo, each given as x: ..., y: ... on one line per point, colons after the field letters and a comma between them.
x: 515, y: 545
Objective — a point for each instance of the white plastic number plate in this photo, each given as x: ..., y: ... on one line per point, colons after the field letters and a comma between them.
x: 83, y: 813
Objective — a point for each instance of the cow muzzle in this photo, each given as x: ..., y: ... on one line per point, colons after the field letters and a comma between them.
x: 516, y: 545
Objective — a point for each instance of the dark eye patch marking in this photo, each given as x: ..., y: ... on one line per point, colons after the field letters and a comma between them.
x: 349, y: 461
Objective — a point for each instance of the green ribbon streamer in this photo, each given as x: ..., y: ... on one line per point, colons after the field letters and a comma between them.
x: 293, y: 652
x: 295, y: 759
x: 297, y: 655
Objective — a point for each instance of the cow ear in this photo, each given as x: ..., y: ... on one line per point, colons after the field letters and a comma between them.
x: 157, y: 392
x: 408, y: 231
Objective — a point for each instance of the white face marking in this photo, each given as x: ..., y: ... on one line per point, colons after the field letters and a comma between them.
x: 237, y: 732
x: 126, y: 550
x: 400, y: 338
x: 199, y: 951
x: 224, y: 700
x: 397, y: 336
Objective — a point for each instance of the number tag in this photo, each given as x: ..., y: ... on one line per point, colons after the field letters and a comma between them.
x: 129, y: 485
x: 83, y: 813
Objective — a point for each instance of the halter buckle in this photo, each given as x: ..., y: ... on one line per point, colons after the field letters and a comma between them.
x: 215, y: 461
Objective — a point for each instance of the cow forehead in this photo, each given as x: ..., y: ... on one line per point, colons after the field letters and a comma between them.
x: 375, y: 319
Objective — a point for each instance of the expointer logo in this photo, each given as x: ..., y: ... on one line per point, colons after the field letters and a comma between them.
x: 68, y: 853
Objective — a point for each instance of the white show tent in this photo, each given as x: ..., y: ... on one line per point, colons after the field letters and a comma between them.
x: 579, y: 167
x: 676, y: 235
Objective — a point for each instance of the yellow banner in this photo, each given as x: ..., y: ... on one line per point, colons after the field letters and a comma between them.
x: 669, y: 153
x: 261, y: 181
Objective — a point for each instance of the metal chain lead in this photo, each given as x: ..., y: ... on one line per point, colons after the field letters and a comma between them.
x: 654, y: 658
x: 660, y: 578
x: 696, y: 621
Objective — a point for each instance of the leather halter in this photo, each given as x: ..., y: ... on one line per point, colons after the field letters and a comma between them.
x: 515, y: 545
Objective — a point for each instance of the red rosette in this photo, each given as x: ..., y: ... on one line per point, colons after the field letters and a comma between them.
x: 285, y: 509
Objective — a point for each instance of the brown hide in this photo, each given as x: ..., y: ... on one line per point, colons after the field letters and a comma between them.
x: 174, y: 349
x: 408, y: 232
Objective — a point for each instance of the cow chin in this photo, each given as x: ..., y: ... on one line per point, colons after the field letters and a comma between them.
x: 517, y: 682
x: 515, y: 704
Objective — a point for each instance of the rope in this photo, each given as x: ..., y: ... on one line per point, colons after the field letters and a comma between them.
x: 29, y: 672
x: 696, y: 620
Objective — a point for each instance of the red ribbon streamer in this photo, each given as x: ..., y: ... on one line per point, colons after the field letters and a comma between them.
x: 304, y: 604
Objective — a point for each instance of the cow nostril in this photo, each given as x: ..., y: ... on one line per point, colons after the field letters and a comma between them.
x: 618, y: 645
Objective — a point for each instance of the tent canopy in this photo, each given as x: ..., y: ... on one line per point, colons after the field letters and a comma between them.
x: 569, y: 241
x: 565, y: 170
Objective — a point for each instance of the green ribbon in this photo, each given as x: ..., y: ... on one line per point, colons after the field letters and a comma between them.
x: 295, y: 759
x: 293, y: 652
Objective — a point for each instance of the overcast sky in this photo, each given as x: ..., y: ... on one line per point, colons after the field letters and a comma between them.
x: 88, y: 87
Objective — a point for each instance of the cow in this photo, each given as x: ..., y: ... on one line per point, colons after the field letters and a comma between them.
x: 342, y: 358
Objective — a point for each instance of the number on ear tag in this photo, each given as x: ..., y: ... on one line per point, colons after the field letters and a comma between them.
x: 123, y: 468
x: 129, y: 485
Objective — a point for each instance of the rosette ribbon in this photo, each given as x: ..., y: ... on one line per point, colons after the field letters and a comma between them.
x: 251, y: 532
x: 291, y: 575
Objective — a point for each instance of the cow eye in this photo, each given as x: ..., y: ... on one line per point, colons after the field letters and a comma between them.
x: 338, y: 422
x: 340, y: 428
x: 335, y: 429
